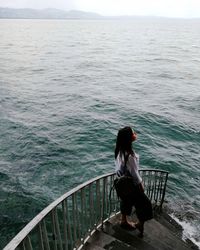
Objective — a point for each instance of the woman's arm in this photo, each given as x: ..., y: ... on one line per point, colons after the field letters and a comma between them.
x: 132, y: 165
x: 141, y: 186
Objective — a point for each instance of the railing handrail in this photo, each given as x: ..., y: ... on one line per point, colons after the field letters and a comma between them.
x: 153, y: 169
x: 14, y: 243
x: 34, y: 222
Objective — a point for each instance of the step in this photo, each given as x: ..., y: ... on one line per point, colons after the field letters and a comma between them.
x: 163, y: 237
x: 91, y: 246
x: 166, y: 220
x: 130, y: 237
x: 169, y: 223
x: 101, y: 240
x: 156, y: 236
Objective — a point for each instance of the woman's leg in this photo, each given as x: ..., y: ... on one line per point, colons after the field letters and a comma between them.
x: 126, y: 208
x: 123, y: 219
x: 143, y: 211
x: 140, y: 226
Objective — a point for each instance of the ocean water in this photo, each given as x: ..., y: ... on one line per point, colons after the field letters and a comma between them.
x: 66, y: 87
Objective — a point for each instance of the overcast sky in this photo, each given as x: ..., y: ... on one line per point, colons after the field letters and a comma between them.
x: 169, y: 8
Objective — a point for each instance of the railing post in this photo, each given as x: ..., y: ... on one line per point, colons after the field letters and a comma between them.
x: 69, y: 230
x: 103, y: 204
x: 64, y: 225
x: 28, y: 243
x: 46, y: 239
x: 40, y: 237
x: 74, y: 217
x: 91, y: 202
x: 81, y: 214
x: 98, y: 199
x: 58, y: 230
x: 164, y: 190
x: 54, y: 230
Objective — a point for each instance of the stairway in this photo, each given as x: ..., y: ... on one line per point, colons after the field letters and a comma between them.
x: 161, y: 233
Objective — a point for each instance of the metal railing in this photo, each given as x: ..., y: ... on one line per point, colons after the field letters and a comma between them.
x: 67, y: 222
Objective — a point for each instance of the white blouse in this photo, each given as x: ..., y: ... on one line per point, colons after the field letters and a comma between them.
x: 132, y: 166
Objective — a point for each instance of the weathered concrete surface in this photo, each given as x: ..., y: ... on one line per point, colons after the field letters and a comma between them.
x: 160, y: 233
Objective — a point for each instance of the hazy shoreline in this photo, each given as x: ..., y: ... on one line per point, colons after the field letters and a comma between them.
x: 57, y: 14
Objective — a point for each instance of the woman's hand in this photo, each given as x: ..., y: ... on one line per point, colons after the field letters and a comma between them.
x: 142, y: 187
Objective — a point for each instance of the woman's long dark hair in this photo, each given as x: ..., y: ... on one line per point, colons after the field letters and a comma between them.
x: 124, y: 142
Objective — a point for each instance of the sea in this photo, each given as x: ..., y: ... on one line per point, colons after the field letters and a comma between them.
x: 68, y: 86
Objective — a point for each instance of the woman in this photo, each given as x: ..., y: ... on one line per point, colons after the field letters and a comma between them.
x: 127, y: 163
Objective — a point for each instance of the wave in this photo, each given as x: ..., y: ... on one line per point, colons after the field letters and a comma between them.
x: 4, y: 177
x: 189, y: 230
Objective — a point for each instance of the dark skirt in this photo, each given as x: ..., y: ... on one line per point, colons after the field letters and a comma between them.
x: 140, y: 201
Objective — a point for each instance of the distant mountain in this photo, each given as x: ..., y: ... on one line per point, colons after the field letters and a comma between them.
x: 46, y: 14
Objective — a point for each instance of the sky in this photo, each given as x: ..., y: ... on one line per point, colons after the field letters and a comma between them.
x: 168, y: 8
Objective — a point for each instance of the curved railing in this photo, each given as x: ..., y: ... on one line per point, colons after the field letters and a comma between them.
x: 67, y: 222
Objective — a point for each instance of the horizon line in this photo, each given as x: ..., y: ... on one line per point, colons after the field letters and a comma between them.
x: 91, y: 12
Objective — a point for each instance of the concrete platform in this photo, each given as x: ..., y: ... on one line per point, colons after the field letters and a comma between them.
x: 160, y: 233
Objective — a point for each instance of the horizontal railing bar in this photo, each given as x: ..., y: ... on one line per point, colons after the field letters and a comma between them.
x: 153, y: 170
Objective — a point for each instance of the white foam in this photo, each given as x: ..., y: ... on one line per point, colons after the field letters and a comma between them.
x: 189, y: 230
